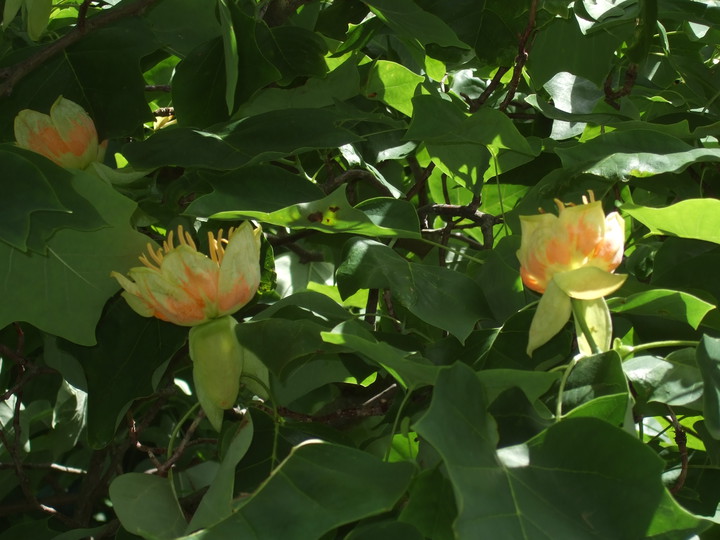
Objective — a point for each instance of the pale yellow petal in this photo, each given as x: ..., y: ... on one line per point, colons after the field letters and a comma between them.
x: 169, y: 301
x: 240, y: 269
x: 609, y: 252
x: 552, y: 313
x: 589, y: 282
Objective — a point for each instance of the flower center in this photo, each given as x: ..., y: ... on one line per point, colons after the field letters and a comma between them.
x: 216, y: 244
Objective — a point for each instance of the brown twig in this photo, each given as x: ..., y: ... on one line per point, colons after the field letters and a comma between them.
x: 371, y: 306
x: 164, y: 111
x: 421, y: 176
x: 158, y: 88
x: 163, y: 469
x: 611, y: 96
x: 82, y: 13
x: 377, y: 407
x: 469, y: 212
x: 681, y: 441
x: 475, y: 104
x: 390, y: 307
x: 521, y: 57
x: 12, y: 75
x: 352, y: 177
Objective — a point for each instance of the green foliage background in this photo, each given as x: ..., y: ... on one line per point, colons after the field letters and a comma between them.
x: 387, y: 148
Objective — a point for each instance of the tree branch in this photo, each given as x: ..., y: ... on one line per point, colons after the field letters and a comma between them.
x: 12, y: 75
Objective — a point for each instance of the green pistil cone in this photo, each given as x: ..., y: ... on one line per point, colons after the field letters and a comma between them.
x: 217, y: 364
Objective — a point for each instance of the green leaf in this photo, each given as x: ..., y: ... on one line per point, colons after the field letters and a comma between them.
x: 439, y: 296
x: 334, y: 214
x: 339, y: 85
x: 393, y: 84
x: 216, y: 504
x: 231, y: 53
x: 675, y: 380
x: 674, y: 220
x: 634, y: 153
x: 199, y: 86
x: 559, y: 487
x: 313, y: 481
x: 38, y: 16
x: 169, y: 24
x: 277, y: 342
x: 146, y: 506
x: 263, y: 188
x: 385, y: 530
x: 594, y: 377
x: 408, y: 370
x: 264, y: 137
x: 589, y: 57
x: 431, y: 505
x: 64, y: 290
x: 532, y: 383
x: 294, y: 52
x: 491, y: 28
x: 408, y: 20
x: 120, y: 367
x: 500, y: 280
x: 26, y: 190
x: 708, y: 360
x: 678, y: 306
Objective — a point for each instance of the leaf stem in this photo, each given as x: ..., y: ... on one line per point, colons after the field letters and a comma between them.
x: 582, y: 323
x: 628, y: 350
x: 395, y: 422
x: 561, y: 390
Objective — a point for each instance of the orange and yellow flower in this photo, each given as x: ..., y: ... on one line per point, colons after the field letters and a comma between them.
x: 67, y: 135
x: 180, y: 285
x: 183, y: 286
x: 571, y: 256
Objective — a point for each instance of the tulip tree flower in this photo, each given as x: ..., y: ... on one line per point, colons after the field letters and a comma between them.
x: 180, y: 285
x: 570, y: 259
x: 67, y: 136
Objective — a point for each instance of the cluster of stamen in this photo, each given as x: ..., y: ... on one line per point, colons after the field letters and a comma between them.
x: 586, y: 199
x: 216, y: 245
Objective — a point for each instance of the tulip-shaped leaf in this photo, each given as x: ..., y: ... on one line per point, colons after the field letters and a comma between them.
x: 309, y: 495
x: 566, y: 484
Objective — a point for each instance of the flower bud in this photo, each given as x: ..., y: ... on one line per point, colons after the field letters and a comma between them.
x: 217, y: 365
x: 67, y: 136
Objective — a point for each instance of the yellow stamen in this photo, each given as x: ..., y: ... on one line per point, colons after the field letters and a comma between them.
x: 157, y: 258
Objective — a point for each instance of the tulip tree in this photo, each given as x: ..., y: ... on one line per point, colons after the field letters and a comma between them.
x: 385, y: 353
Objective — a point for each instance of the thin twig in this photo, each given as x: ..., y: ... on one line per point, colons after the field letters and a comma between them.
x: 164, y: 111
x: 521, y: 57
x: 390, y: 307
x: 371, y: 306
x: 178, y: 452
x: 421, y: 176
x: 681, y: 441
x: 50, y: 466
x: 611, y: 95
x: 158, y: 88
x: 475, y: 104
x: 82, y: 13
